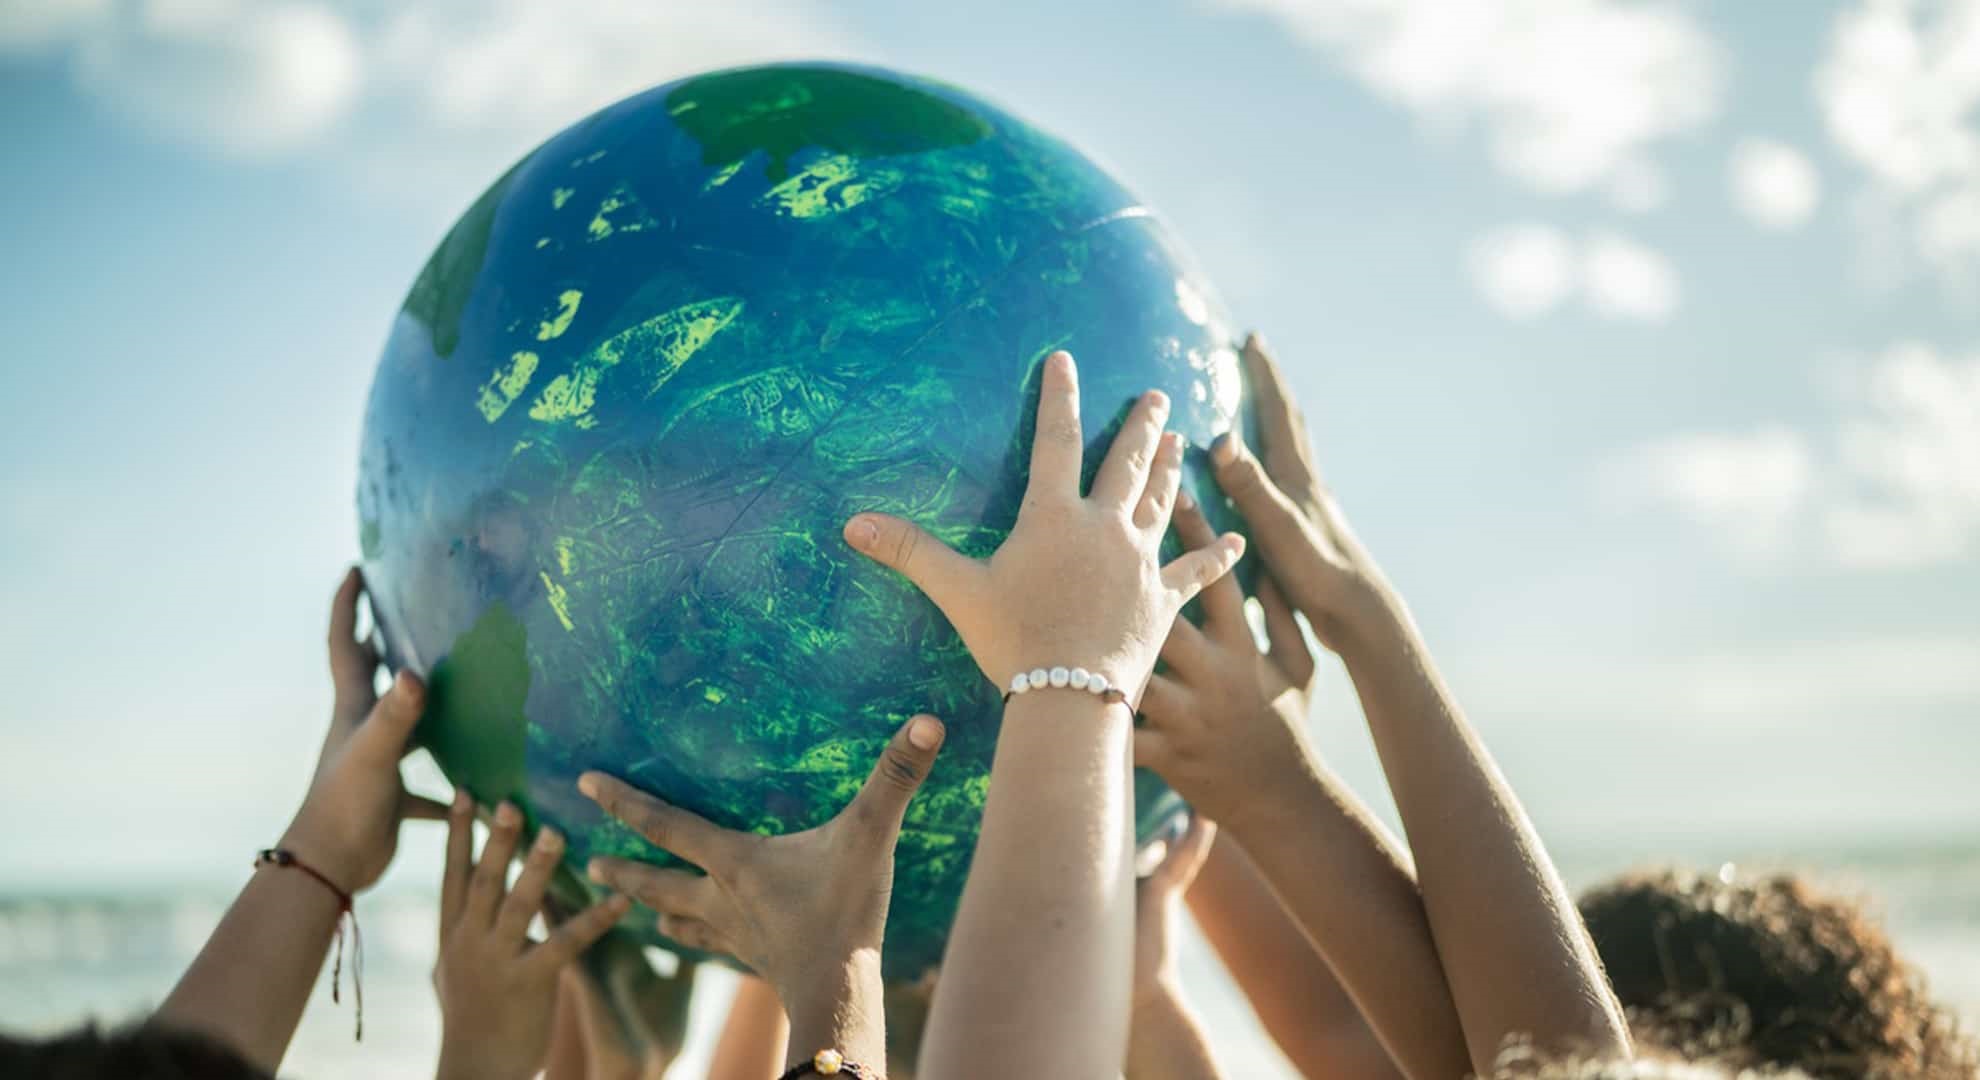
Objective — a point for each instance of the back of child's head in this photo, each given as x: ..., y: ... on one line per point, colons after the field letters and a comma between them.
x: 1768, y: 973
x: 141, y: 1052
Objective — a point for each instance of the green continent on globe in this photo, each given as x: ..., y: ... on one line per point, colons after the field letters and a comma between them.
x: 646, y: 377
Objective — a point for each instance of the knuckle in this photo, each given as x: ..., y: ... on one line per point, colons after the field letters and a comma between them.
x: 900, y: 770
x: 906, y: 540
x: 1063, y: 430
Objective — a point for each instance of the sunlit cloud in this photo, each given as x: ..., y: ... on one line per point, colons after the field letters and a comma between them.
x: 1526, y: 270
x: 1895, y: 484
x: 1900, y: 97
x: 1773, y: 184
x: 1570, y: 95
x: 456, y: 85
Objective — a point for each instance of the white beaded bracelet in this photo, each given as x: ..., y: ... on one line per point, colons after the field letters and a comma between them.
x: 1077, y: 678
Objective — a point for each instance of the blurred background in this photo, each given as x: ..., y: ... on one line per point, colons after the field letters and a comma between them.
x: 1641, y: 341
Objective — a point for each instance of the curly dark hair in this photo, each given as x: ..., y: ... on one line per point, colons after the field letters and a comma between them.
x: 1770, y: 973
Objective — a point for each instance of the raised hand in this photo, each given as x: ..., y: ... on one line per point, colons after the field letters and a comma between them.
x: 1294, y: 519
x: 1158, y: 910
x: 497, y: 988
x: 1225, y: 719
x: 804, y: 910
x: 1079, y: 580
x: 1166, y: 1040
x: 348, y: 825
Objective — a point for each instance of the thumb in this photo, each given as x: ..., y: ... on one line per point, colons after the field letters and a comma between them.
x: 935, y: 568
x: 899, y: 773
x: 383, y: 735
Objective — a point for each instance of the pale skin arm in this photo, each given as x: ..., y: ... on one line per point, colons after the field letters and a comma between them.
x: 751, y: 1046
x: 1036, y: 978
x: 1166, y: 1040
x: 1287, y: 981
x: 250, y: 982
x: 1501, y: 918
x: 1169, y: 1043
x: 1225, y: 727
x: 1036, y: 975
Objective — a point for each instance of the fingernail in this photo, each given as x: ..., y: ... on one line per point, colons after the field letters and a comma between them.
x: 1172, y: 442
x: 463, y: 801
x: 1185, y: 501
x: 507, y: 815
x: 924, y: 732
x: 1159, y: 402
x: 862, y: 533
x: 1224, y: 450
x: 588, y: 785
x: 549, y: 842
x: 595, y: 870
x: 1061, y: 362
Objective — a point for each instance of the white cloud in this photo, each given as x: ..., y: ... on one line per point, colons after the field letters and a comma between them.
x: 1572, y: 95
x: 1747, y: 486
x: 248, y: 78
x: 456, y: 82
x: 1896, y: 485
x: 1900, y: 96
x: 1626, y: 280
x: 1773, y: 184
x: 470, y: 65
x: 32, y: 25
x: 1527, y: 270
x: 1523, y: 270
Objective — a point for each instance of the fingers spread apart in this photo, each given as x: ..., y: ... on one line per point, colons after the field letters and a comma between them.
x: 666, y: 826
x: 1124, y: 473
x: 1058, y: 445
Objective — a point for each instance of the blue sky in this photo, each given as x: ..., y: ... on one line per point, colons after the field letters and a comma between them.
x: 1642, y: 342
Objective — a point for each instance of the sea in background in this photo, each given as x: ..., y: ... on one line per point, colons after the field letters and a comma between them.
x: 65, y: 957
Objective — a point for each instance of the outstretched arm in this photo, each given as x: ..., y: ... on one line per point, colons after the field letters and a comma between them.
x: 1294, y: 992
x: 1035, y: 981
x: 1166, y: 1039
x: 251, y: 980
x: 1502, y: 920
x: 1226, y: 730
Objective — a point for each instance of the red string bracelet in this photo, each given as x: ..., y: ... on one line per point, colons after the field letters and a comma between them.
x: 345, y: 910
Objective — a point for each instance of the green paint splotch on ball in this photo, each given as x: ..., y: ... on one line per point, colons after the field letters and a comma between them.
x: 637, y: 390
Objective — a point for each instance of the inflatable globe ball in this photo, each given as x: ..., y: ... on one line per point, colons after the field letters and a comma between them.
x: 634, y: 395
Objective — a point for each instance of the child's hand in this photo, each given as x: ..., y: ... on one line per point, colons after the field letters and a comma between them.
x: 1079, y: 581
x: 1158, y: 906
x: 1225, y: 718
x: 1295, y: 521
x: 348, y: 826
x: 784, y: 905
x: 497, y: 987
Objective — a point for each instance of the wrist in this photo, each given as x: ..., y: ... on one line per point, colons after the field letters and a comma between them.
x: 837, y: 1006
x: 478, y: 1060
x: 312, y: 843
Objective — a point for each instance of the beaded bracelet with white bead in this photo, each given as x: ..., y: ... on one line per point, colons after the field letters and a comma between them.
x: 1077, y: 678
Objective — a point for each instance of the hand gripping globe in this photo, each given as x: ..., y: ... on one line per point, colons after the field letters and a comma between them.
x: 632, y: 398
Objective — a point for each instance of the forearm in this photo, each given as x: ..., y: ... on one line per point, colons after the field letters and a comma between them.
x: 1167, y: 1042
x: 250, y: 982
x: 1500, y: 914
x: 1349, y: 890
x: 1038, y: 970
x: 754, y: 1038
x: 841, y: 1009
x: 1295, y: 995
